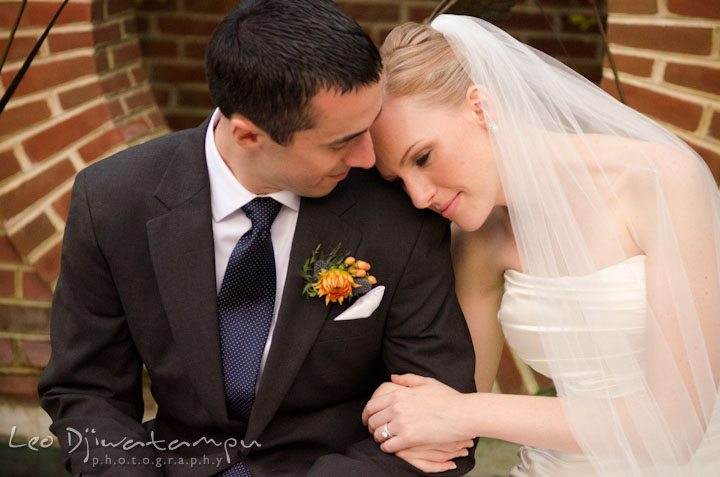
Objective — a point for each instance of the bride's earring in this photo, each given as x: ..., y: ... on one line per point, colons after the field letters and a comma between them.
x: 491, y: 125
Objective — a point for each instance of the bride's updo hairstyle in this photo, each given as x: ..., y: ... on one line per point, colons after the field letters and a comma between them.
x: 418, y: 60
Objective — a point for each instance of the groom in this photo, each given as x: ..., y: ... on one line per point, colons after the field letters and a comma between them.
x: 184, y: 255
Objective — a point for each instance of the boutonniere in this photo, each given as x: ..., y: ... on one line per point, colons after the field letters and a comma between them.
x: 336, y: 277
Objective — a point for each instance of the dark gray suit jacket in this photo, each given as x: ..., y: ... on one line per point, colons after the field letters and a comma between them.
x: 137, y: 287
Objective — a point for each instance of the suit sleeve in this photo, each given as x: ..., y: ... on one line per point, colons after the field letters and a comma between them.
x: 425, y: 334
x: 92, y: 386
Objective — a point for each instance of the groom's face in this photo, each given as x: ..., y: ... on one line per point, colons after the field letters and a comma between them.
x: 320, y: 157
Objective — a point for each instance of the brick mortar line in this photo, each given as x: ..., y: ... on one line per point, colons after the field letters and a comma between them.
x: 552, y: 9
x: 38, y: 207
x: 45, y: 246
x: 618, y: 48
x: 21, y: 266
x: 31, y: 131
x: 55, y: 219
x: 692, y: 139
x: 191, y: 87
x: 25, y: 303
x: 679, y: 92
x: 9, y: 267
x: 680, y: 58
x: 655, y: 20
x: 584, y: 37
x: 61, y: 56
x: 170, y: 61
x: 46, y: 93
x: 77, y: 27
x: 121, y: 15
x: 15, y: 335
x: 183, y: 15
x: 20, y: 371
x: 705, y: 119
x: 658, y: 71
x: 30, y: 174
x: 77, y: 160
x: 188, y: 109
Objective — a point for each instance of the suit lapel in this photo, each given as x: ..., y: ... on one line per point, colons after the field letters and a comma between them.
x: 182, y: 250
x: 300, y: 319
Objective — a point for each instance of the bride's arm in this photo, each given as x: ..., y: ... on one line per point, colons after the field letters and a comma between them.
x: 479, y: 288
x: 441, y: 413
x: 683, y: 355
x: 683, y: 292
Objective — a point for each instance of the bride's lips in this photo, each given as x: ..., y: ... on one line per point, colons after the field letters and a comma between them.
x: 450, y: 207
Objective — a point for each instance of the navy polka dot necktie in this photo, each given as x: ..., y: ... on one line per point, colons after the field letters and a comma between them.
x: 245, y: 310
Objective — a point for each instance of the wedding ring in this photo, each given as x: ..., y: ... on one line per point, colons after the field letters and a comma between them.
x: 385, y: 432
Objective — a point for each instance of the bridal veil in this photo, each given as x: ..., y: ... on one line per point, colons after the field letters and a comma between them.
x: 571, y: 204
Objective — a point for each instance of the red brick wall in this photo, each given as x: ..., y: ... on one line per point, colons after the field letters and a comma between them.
x: 85, y: 95
x: 668, y: 53
x: 173, y: 36
x: 564, y: 29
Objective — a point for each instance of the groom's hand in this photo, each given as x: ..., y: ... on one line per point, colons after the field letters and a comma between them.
x: 435, y: 457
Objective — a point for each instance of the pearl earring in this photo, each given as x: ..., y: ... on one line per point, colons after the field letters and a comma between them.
x: 492, y: 127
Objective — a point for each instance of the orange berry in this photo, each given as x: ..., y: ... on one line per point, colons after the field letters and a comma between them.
x: 360, y: 273
x: 372, y: 280
x: 349, y: 261
x: 363, y: 265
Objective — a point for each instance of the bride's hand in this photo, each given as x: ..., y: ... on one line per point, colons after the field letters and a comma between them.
x: 437, y: 457
x: 422, y: 412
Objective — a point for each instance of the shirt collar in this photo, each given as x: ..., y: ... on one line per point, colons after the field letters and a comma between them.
x: 227, y: 194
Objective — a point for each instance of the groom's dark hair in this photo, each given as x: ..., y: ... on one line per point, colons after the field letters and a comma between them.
x: 268, y: 58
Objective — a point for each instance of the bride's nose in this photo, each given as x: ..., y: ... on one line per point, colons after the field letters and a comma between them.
x: 420, y: 191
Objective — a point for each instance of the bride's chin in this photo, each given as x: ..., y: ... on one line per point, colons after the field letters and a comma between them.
x: 466, y: 226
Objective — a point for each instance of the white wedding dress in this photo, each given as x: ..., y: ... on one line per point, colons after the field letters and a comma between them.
x: 618, y: 306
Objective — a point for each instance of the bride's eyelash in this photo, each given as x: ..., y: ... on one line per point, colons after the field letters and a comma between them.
x: 422, y: 160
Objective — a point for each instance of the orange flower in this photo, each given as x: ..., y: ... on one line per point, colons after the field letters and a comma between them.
x: 335, y: 285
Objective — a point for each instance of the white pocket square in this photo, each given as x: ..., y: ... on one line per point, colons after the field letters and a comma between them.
x: 363, y: 306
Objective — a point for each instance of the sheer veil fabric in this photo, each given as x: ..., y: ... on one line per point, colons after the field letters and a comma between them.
x: 591, y: 183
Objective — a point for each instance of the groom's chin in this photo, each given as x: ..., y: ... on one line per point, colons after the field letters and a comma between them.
x: 320, y: 190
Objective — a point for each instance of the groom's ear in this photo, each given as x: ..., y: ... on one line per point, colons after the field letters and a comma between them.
x: 478, y: 101
x: 244, y: 132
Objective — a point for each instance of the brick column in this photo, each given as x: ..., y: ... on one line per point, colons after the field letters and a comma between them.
x: 85, y: 96
x: 668, y: 53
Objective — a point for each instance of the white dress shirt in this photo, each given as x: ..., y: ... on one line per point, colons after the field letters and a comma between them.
x: 229, y: 222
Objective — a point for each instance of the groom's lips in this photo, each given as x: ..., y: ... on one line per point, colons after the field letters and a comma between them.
x: 339, y: 177
x: 450, y: 207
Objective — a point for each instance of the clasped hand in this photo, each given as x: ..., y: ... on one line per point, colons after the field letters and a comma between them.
x: 423, y: 417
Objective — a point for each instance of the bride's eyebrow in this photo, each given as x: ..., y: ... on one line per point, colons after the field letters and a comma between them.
x: 407, y: 153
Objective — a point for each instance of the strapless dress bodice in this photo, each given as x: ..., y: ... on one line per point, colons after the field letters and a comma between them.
x: 614, y: 303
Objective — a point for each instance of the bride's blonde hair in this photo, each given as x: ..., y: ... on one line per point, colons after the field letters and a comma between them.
x: 418, y: 60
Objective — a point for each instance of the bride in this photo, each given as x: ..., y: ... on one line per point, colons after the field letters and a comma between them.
x: 590, y: 239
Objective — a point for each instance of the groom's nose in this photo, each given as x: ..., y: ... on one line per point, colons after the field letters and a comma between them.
x: 362, y: 153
